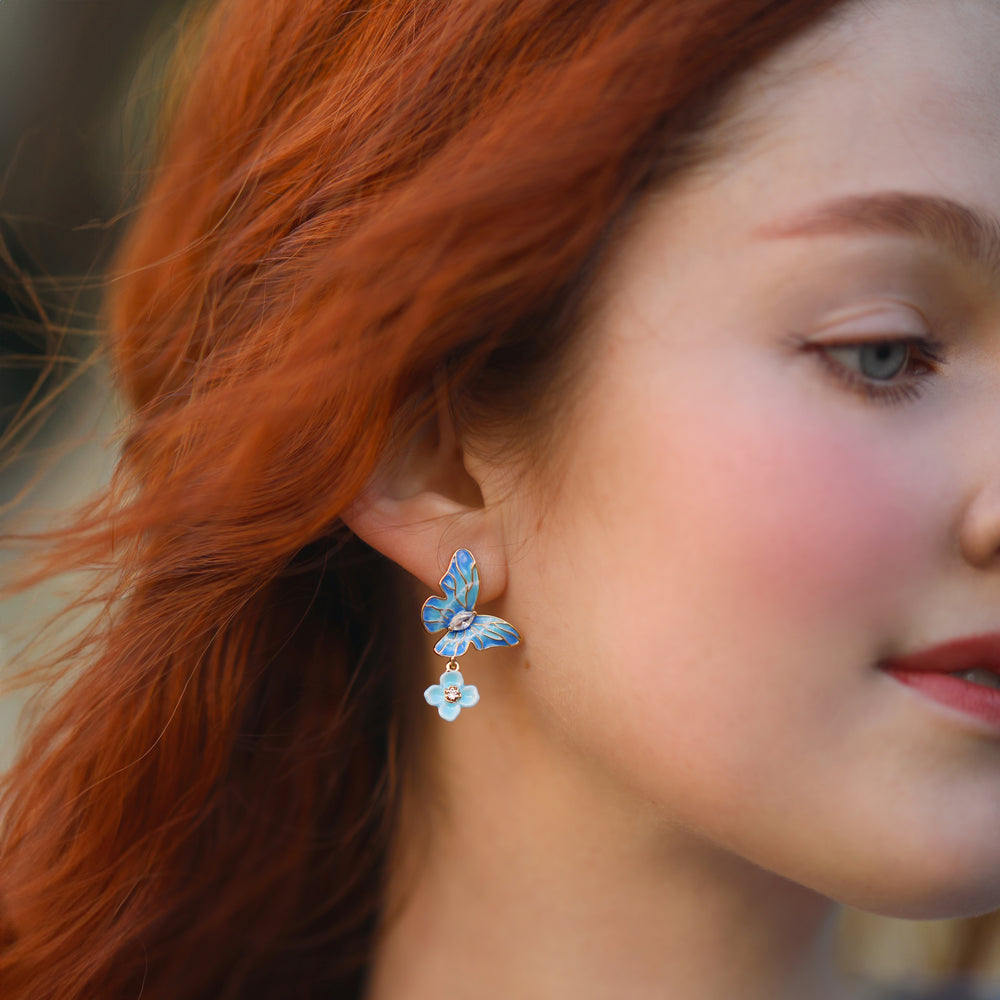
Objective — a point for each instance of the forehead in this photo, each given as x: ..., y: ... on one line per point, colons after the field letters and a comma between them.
x: 891, y: 94
x: 888, y: 96
x: 891, y: 97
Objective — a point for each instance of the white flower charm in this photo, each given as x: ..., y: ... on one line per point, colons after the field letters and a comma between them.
x: 451, y: 695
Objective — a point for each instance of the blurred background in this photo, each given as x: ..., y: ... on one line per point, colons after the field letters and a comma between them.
x: 67, y: 70
x: 69, y: 169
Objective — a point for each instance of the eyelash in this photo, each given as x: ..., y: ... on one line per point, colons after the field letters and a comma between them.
x: 873, y: 389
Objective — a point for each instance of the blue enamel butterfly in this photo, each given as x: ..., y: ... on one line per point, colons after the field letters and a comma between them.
x: 455, y: 612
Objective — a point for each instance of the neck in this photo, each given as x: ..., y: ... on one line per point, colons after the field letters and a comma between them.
x: 532, y: 880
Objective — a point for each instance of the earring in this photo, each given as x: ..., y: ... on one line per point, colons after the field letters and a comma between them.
x: 456, y: 613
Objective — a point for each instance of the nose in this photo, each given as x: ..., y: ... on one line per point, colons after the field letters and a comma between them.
x: 979, y: 531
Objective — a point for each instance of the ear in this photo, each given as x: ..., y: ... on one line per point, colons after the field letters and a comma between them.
x: 426, y: 504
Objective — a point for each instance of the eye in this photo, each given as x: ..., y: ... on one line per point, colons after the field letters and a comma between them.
x: 884, y: 370
x: 880, y: 360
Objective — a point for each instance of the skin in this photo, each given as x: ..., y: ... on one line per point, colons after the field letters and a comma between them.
x: 691, y: 758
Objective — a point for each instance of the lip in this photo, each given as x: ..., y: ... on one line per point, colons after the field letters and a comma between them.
x: 929, y: 672
x: 958, y: 654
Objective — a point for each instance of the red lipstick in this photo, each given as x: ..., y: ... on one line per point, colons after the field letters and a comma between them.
x: 930, y: 671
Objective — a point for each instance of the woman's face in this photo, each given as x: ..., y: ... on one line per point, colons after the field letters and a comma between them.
x: 757, y: 509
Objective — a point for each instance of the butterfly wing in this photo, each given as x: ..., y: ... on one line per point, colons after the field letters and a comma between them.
x: 460, y: 584
x: 437, y: 612
x: 488, y: 630
x: 461, y: 581
x: 454, y: 643
x: 485, y: 631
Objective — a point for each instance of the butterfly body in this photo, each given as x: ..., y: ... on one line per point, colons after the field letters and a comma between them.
x: 462, y: 620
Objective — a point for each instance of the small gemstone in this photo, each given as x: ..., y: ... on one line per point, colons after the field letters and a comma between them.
x: 461, y: 621
x: 452, y: 693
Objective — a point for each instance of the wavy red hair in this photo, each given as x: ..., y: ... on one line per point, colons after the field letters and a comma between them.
x: 347, y: 206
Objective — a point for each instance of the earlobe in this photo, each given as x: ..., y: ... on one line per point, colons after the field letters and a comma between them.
x: 421, y: 532
x: 426, y: 505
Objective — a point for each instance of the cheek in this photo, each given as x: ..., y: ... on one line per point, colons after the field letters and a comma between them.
x: 735, y: 557
x: 785, y: 508
x: 816, y: 515
x: 736, y: 527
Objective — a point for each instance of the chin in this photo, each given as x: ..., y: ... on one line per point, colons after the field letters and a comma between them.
x: 939, y: 886
x: 946, y: 905
x: 911, y: 855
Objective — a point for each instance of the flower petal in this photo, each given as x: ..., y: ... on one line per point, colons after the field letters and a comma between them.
x: 449, y: 711
x: 451, y: 677
x: 470, y: 695
x: 434, y: 695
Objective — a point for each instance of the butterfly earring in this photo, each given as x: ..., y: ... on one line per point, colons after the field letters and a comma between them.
x: 456, y: 613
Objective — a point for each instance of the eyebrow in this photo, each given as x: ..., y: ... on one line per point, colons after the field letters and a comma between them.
x: 970, y: 234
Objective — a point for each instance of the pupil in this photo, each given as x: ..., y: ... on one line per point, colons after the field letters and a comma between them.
x: 884, y: 359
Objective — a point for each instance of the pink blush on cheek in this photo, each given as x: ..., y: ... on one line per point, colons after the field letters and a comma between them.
x: 797, y: 511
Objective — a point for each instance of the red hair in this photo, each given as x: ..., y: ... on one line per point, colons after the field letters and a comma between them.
x: 347, y: 205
